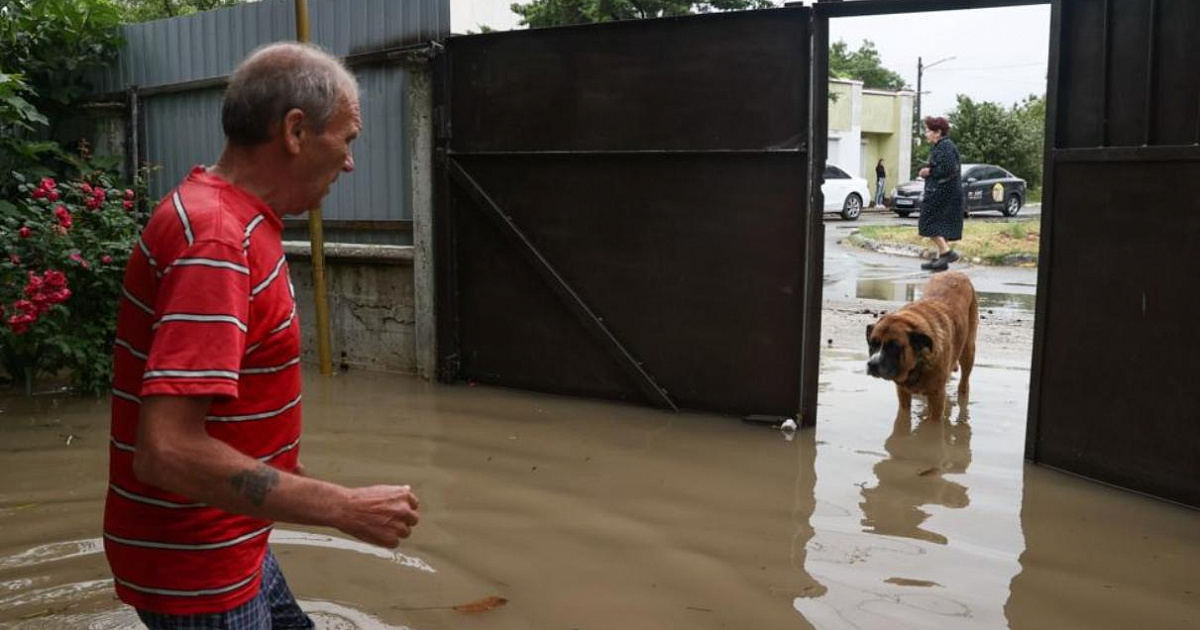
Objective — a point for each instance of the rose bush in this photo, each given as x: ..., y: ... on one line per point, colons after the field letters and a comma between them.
x: 65, y: 244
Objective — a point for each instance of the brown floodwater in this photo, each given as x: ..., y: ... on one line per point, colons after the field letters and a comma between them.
x: 593, y: 515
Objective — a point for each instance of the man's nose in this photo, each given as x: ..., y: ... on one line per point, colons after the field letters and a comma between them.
x: 349, y: 164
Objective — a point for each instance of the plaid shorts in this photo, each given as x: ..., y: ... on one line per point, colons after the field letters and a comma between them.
x: 273, y: 608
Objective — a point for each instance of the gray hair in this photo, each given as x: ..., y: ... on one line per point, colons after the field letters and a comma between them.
x: 277, y: 78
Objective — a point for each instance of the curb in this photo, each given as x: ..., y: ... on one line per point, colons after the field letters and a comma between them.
x: 912, y: 251
x: 894, y: 249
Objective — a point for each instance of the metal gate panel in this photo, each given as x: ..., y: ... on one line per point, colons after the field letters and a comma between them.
x: 623, y: 210
x: 1113, y: 391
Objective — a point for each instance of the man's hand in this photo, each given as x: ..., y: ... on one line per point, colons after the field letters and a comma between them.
x: 380, y: 515
x: 924, y: 173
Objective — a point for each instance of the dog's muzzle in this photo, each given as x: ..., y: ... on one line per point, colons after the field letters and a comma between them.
x: 874, y: 364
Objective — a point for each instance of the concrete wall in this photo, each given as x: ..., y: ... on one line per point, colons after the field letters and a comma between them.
x: 845, y: 125
x: 879, y: 112
x: 865, y: 125
x: 372, y: 310
x: 841, y: 105
x: 904, y: 140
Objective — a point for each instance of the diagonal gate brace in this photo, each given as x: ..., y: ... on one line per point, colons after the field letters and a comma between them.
x: 594, y: 325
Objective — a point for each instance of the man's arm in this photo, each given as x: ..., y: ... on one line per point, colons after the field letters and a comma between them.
x: 175, y: 453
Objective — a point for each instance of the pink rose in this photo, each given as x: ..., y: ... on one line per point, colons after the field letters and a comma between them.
x: 25, y: 232
x: 52, y: 195
x: 55, y: 279
x: 128, y: 194
x: 38, y: 193
x: 106, y: 259
x: 64, y: 217
x: 20, y: 323
x: 35, y: 285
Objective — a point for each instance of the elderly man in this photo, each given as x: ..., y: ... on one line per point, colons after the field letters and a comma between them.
x: 205, y: 439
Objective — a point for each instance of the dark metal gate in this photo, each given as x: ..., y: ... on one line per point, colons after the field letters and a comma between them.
x: 1113, y: 393
x: 622, y: 213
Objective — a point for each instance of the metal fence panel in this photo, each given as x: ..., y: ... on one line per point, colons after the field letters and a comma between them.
x: 183, y: 129
x: 210, y: 44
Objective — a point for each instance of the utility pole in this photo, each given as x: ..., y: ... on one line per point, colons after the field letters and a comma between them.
x: 921, y: 68
x: 917, y: 111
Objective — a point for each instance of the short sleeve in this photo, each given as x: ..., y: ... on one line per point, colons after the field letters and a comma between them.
x: 202, y: 312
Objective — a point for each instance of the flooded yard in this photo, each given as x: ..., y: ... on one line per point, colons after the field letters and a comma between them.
x: 593, y: 515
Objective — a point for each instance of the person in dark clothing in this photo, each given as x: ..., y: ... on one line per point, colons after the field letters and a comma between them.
x: 942, y: 207
x: 880, y: 182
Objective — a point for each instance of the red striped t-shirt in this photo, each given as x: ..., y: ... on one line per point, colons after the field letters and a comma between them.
x: 208, y: 309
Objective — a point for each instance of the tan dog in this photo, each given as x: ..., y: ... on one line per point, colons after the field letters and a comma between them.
x: 919, y: 345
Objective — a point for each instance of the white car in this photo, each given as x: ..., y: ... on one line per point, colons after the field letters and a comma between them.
x: 844, y: 193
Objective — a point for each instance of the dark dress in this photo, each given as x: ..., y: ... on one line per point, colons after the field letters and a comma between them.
x: 942, y: 207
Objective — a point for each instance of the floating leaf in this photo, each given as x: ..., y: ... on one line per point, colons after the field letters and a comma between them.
x: 491, y: 602
x: 911, y: 582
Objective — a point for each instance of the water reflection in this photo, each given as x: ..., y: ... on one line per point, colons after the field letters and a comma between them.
x: 804, y: 503
x: 914, y: 475
x: 908, y: 289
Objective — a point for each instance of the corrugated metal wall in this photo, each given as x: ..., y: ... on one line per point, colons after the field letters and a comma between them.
x: 183, y: 129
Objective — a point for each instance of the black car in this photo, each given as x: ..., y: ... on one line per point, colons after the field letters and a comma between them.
x: 985, y: 188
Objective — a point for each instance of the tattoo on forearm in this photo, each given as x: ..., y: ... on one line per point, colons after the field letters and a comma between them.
x: 255, y: 484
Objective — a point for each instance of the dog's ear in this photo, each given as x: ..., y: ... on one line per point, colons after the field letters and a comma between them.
x: 919, y: 341
x: 870, y: 329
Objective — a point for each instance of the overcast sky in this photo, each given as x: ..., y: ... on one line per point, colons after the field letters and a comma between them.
x: 1000, y: 53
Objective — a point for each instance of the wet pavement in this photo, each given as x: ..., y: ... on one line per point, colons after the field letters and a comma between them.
x: 593, y: 515
x: 852, y: 273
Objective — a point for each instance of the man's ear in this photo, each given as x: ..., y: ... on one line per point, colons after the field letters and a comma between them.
x: 294, y: 128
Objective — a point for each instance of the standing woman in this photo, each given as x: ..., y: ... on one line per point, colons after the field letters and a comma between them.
x: 942, y: 208
x: 880, y: 182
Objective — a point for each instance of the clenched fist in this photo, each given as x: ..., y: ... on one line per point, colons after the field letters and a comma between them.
x: 380, y: 515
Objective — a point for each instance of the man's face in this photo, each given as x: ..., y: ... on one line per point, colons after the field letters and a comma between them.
x: 327, y: 155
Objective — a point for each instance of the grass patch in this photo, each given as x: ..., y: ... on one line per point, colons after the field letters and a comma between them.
x: 987, y: 242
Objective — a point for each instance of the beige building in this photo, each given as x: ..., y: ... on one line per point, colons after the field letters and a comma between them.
x: 865, y: 125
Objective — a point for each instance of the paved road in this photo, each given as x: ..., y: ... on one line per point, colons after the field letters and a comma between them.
x: 851, y: 272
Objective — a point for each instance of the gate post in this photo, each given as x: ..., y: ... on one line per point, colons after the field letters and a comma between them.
x: 420, y: 130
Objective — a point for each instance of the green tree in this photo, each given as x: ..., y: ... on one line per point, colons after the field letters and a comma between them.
x: 863, y: 65
x: 1008, y: 137
x: 1031, y: 113
x: 543, y: 13
x: 146, y: 10
x: 54, y: 44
